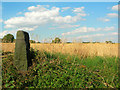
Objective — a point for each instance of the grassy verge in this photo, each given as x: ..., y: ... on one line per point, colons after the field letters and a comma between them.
x: 62, y: 71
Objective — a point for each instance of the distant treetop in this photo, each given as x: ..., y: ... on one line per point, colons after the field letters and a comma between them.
x: 9, y: 38
x: 56, y: 40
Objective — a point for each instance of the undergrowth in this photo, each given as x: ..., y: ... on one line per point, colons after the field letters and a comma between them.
x: 55, y: 70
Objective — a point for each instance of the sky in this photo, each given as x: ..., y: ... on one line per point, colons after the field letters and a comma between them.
x: 60, y: 0
x: 70, y: 21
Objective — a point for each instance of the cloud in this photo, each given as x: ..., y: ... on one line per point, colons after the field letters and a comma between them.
x: 19, y: 13
x: 115, y: 8
x: 109, y: 28
x: 113, y: 33
x: 104, y: 19
x: 1, y: 20
x: 40, y: 15
x: 97, y: 35
x: 33, y: 18
x: 78, y: 10
x: 28, y: 28
x: 112, y: 15
x: 65, y: 26
x: 38, y: 8
x: 87, y: 36
x: 65, y: 8
x: 2, y: 34
x: 87, y: 29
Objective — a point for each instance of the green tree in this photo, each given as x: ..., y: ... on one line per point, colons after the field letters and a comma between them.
x: 56, y: 40
x: 108, y: 41
x: 8, y: 38
x: 32, y: 41
x: 38, y: 42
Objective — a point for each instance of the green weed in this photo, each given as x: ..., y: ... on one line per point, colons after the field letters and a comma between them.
x: 55, y: 70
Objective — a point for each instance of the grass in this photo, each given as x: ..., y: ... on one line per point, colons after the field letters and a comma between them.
x: 80, y: 49
x: 57, y: 70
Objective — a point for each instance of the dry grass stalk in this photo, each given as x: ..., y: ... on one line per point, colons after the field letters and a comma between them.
x: 80, y: 49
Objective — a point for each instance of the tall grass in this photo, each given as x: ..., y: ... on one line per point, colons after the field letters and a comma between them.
x: 80, y: 49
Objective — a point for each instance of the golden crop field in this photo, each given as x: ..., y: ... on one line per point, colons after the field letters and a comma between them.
x: 80, y: 49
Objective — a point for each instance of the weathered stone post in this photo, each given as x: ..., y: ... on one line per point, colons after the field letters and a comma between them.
x: 22, y: 51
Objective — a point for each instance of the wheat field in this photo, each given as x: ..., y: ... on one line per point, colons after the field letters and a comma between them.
x: 80, y: 49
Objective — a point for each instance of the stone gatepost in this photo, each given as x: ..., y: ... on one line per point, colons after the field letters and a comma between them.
x: 22, y: 51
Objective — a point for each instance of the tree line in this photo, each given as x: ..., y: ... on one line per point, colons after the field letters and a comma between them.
x: 9, y: 38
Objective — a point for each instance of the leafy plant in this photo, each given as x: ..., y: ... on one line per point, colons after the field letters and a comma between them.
x: 55, y: 70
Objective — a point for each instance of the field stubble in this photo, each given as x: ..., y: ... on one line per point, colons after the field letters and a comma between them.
x: 79, y: 49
